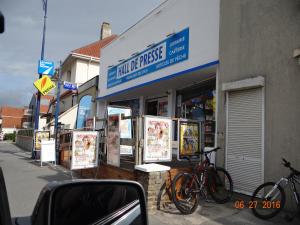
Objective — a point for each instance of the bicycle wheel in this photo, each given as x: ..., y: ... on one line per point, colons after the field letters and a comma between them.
x: 219, y: 185
x: 269, y: 200
x: 185, y: 193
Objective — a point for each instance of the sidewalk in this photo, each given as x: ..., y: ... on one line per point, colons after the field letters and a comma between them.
x: 215, y: 214
x: 25, y: 178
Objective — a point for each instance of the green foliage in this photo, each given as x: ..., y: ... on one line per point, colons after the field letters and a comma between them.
x: 11, y: 136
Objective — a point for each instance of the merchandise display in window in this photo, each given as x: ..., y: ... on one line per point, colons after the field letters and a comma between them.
x: 199, y: 104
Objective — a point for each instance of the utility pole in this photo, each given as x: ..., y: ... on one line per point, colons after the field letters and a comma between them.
x: 38, y: 99
x: 57, y: 111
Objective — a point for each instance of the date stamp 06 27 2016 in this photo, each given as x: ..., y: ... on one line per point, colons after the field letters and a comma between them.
x: 241, y: 204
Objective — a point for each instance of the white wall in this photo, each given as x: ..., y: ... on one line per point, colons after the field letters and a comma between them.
x: 85, y: 70
x: 8, y: 130
x: 42, y: 122
x: 202, y: 18
x: 68, y: 118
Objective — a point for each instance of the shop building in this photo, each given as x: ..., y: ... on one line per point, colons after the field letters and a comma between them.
x: 236, y: 71
x: 165, y: 68
x: 258, y: 98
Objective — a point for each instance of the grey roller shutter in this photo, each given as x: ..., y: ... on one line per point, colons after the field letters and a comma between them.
x: 244, y: 138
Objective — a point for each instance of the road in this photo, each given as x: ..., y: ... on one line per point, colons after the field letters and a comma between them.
x: 25, y: 178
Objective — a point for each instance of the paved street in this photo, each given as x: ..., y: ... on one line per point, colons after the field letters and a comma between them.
x: 25, y: 179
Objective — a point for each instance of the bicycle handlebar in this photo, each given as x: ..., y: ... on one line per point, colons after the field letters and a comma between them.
x: 202, y: 153
x: 288, y: 165
x: 207, y: 152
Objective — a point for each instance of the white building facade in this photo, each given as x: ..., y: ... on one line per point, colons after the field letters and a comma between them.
x: 164, y: 68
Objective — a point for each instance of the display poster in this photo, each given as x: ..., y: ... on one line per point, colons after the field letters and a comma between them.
x: 47, y: 151
x: 38, y: 137
x: 84, y: 149
x: 113, y: 140
x: 125, y: 126
x: 189, y: 139
x: 157, y: 139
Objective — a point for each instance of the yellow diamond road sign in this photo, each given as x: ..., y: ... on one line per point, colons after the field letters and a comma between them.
x: 44, y: 85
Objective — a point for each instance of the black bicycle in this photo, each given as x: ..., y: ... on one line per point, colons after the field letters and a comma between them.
x: 269, y: 198
x: 205, y: 179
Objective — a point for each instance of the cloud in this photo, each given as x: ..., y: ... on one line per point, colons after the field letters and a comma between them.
x: 70, y: 25
x: 26, y: 21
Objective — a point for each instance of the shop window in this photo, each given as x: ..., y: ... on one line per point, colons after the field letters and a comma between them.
x: 157, y: 107
x: 198, y: 103
x: 152, y: 108
x: 134, y: 104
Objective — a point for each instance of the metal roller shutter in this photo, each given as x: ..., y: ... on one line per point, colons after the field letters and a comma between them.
x: 244, y: 138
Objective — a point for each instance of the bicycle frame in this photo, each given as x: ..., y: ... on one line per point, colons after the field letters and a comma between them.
x: 294, y: 179
x: 291, y: 180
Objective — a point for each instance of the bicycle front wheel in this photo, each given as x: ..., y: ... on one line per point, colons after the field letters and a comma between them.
x: 268, y: 200
x: 219, y: 185
x: 185, y: 193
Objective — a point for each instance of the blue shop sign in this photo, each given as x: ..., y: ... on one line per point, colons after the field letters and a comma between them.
x: 168, y: 52
x: 46, y: 67
x: 70, y: 86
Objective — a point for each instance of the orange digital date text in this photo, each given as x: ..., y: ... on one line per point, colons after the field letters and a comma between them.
x: 240, y: 204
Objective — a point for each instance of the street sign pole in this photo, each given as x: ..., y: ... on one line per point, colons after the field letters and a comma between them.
x: 57, y: 111
x: 38, y: 100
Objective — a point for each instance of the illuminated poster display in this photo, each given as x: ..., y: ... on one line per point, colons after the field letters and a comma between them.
x: 157, y: 139
x: 84, y: 150
x: 189, y: 139
x: 124, y: 126
x: 38, y: 137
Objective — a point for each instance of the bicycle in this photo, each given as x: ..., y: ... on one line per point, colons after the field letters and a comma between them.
x: 269, y: 198
x: 205, y: 178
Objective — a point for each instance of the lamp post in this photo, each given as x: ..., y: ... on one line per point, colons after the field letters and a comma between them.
x: 38, y: 99
x: 57, y: 111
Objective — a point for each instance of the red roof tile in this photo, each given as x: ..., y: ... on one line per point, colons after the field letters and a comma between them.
x: 93, y: 49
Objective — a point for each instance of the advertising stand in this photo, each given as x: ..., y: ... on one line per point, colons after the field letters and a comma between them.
x: 84, y: 150
x: 48, y: 151
x: 125, y: 126
x: 189, y: 142
x: 157, y: 139
x: 37, y: 141
x: 113, y: 140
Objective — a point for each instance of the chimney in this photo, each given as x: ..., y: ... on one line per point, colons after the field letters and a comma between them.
x: 105, y: 30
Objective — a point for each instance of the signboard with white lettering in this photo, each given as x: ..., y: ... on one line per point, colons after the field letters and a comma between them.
x: 70, y: 86
x: 46, y: 67
x: 168, y: 52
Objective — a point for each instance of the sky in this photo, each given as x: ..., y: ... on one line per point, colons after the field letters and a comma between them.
x: 70, y: 24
